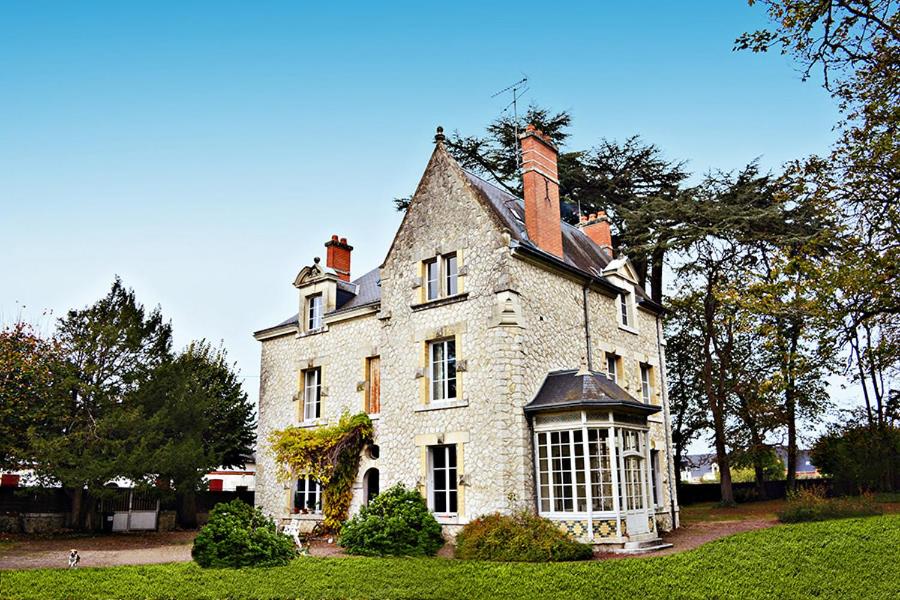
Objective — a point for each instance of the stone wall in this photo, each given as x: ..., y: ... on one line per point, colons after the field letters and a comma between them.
x: 512, y: 321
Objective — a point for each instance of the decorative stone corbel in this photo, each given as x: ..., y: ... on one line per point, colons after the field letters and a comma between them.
x: 360, y: 386
x: 462, y: 365
x: 463, y: 271
x: 420, y: 372
x: 416, y: 282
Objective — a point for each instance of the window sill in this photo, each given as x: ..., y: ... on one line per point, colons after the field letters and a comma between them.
x: 442, y: 405
x: 447, y: 519
x: 629, y: 329
x: 306, y: 517
x: 310, y: 332
x: 374, y: 416
x: 310, y: 424
x: 439, y: 301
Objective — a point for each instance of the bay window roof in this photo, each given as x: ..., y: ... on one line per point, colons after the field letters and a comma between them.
x: 573, y: 389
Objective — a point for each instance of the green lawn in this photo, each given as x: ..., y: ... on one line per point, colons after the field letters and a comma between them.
x: 852, y: 558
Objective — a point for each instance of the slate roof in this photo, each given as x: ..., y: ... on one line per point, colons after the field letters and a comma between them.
x: 580, y: 252
x: 584, y: 389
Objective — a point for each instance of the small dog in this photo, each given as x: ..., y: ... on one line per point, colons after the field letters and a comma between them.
x: 74, y: 559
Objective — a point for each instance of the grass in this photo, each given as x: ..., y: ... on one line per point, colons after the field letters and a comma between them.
x: 849, y: 558
x: 713, y: 511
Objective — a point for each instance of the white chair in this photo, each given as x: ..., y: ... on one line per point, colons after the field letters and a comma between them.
x: 292, y: 530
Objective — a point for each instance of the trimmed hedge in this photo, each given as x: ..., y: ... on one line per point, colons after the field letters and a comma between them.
x: 397, y: 522
x: 522, y: 537
x: 239, y: 535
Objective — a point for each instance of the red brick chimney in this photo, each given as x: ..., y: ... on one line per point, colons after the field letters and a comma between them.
x: 596, y: 227
x: 540, y: 183
x: 338, y: 257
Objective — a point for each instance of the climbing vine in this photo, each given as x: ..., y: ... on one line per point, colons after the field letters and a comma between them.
x: 329, y: 454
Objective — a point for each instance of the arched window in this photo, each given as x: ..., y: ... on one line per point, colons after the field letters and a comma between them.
x: 371, y: 484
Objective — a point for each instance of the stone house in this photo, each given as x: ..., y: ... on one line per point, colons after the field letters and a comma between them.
x: 506, y: 358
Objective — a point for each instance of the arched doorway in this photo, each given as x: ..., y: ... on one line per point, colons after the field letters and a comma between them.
x: 371, y: 484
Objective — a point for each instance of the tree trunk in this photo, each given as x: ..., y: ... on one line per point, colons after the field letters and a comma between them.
x: 75, y: 515
x: 187, y: 509
x: 791, y: 415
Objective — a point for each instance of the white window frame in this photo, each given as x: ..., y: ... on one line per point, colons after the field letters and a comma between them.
x: 441, y: 276
x: 612, y: 366
x: 625, y: 309
x: 312, y: 394
x: 450, y: 476
x: 312, y: 490
x: 450, y: 274
x: 646, y: 382
x: 444, y: 382
x: 315, y: 304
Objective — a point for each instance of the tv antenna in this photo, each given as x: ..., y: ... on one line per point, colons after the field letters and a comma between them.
x: 517, y: 90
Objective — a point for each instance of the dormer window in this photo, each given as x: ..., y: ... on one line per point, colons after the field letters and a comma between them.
x: 441, y: 277
x: 314, y: 312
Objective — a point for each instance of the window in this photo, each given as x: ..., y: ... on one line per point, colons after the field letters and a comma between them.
x: 450, y: 275
x: 314, y: 312
x: 646, y: 382
x: 442, y: 358
x: 373, y: 385
x: 632, y: 493
x: 308, y: 496
x: 312, y: 394
x: 562, y: 471
x: 432, y: 279
x: 441, y: 277
x: 371, y: 484
x: 601, y: 470
x: 443, y: 479
x: 612, y: 366
x: 624, y: 309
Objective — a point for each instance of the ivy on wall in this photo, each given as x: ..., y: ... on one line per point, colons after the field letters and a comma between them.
x: 329, y: 454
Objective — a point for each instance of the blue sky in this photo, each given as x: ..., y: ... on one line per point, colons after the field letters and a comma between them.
x: 206, y: 151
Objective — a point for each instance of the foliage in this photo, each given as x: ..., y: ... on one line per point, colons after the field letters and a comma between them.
x: 112, y: 347
x: 772, y: 466
x: 849, y: 558
x: 522, y: 536
x: 397, y: 522
x: 632, y: 181
x: 240, y: 535
x: 32, y: 373
x: 193, y: 417
x: 330, y: 455
x: 856, y: 45
x: 105, y: 398
x: 859, y: 458
x: 811, y: 504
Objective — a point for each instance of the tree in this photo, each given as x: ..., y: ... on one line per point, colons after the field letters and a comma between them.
x: 192, y: 417
x: 32, y: 372
x: 856, y: 46
x: 631, y: 181
x: 112, y: 347
x: 687, y: 400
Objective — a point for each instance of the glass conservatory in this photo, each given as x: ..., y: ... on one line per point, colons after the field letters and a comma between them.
x: 592, y: 458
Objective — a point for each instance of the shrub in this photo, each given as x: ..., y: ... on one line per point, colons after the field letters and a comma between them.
x: 860, y: 458
x: 810, y: 504
x: 239, y: 535
x: 522, y: 536
x: 397, y: 522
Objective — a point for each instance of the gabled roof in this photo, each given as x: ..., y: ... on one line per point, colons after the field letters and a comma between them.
x: 573, y: 389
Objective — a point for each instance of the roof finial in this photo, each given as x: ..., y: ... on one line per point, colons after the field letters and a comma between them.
x: 439, y: 136
x: 317, y: 260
